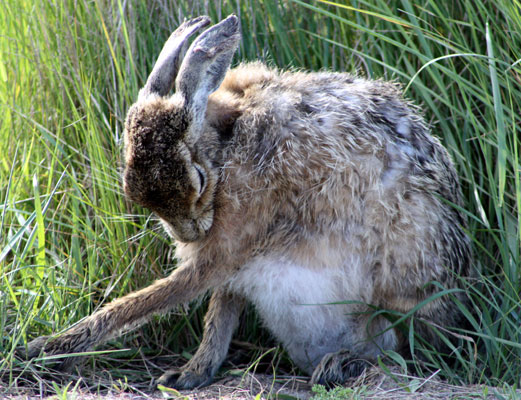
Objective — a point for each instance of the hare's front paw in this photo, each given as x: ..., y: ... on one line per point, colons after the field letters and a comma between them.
x: 336, y: 368
x: 184, y: 380
x: 47, y: 346
x: 34, y: 348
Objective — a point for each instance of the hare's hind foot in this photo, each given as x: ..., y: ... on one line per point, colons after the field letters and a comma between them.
x: 185, y: 379
x: 336, y: 368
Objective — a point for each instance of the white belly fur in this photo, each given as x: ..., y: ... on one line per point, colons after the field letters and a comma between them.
x: 293, y: 301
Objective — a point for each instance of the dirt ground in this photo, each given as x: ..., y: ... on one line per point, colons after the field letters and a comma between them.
x: 374, y: 384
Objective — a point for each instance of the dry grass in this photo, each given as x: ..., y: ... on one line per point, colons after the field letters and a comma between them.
x: 374, y: 384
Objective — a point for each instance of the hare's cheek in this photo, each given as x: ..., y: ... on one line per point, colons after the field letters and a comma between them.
x: 185, y: 230
x: 205, y: 222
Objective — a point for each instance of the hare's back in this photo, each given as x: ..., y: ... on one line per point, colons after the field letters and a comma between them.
x: 334, y: 159
x: 308, y: 126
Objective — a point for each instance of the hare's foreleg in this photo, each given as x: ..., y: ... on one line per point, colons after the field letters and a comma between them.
x: 130, y: 311
x: 220, y: 323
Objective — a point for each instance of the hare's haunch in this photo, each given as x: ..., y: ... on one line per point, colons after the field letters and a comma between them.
x: 292, y: 191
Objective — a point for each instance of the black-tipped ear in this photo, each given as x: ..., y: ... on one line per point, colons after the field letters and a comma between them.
x: 161, y: 79
x: 205, y: 65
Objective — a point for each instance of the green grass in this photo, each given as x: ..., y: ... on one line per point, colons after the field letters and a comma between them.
x: 70, y: 242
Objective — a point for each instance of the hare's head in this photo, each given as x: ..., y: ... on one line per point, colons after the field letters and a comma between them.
x: 165, y: 171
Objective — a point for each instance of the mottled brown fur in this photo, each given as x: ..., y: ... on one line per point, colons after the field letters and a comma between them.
x: 291, y: 190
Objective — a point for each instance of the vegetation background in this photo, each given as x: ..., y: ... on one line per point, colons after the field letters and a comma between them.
x: 70, y: 241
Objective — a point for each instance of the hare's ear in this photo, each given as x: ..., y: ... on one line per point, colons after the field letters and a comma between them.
x: 161, y: 79
x: 204, y: 67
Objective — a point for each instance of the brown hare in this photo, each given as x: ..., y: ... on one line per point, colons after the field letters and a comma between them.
x: 291, y: 191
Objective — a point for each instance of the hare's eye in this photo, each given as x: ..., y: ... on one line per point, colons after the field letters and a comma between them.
x: 202, y: 178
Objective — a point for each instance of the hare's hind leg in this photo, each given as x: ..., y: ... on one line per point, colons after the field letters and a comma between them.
x: 336, y: 368
x: 220, y: 323
x: 369, y: 340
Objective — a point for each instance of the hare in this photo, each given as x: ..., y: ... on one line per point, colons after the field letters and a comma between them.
x: 315, y: 196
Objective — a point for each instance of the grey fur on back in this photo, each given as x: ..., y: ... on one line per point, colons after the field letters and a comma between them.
x: 290, y: 190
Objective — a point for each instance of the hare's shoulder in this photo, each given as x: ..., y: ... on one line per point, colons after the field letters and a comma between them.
x: 246, y: 77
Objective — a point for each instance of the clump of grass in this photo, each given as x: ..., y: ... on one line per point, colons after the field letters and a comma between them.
x: 69, y: 241
x: 320, y: 392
